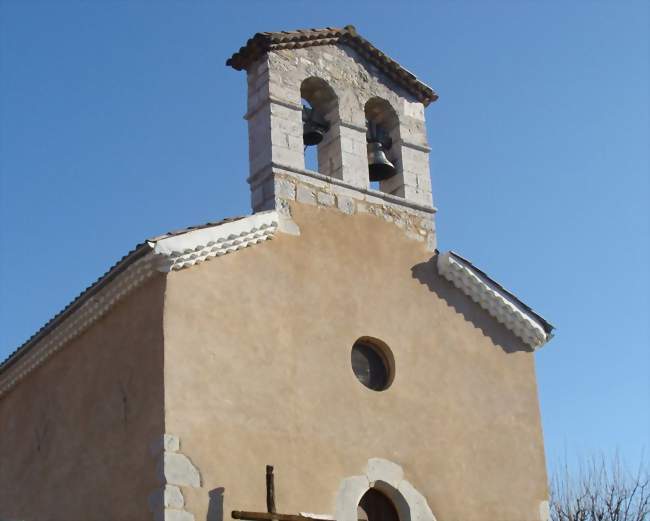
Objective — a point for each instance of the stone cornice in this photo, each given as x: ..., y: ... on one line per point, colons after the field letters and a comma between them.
x: 271, y: 168
x: 172, y: 252
x: 498, y: 302
x: 188, y: 249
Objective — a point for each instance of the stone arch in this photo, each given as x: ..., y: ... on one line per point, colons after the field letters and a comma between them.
x: 380, y: 112
x: 388, y: 478
x: 321, y: 97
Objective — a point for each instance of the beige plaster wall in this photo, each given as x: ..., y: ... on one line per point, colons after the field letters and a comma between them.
x: 75, y: 434
x: 257, y: 371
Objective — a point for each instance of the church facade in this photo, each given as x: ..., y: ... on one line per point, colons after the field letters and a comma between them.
x: 323, y: 334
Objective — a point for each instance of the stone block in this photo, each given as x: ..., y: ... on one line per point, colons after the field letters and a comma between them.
x: 413, y: 234
x: 350, y: 491
x: 177, y: 469
x: 172, y: 497
x: 326, y: 199
x: 413, y: 109
x: 167, y: 496
x: 346, y: 204
x: 417, y: 503
x: 166, y: 442
x: 393, y: 185
x: 305, y: 195
x: 285, y: 189
x: 177, y: 515
x: 293, y: 158
x: 381, y: 469
x: 427, y: 223
x: 373, y: 199
x: 347, y: 192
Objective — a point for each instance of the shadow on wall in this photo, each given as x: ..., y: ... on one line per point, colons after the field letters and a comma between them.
x: 215, y: 507
x: 426, y: 273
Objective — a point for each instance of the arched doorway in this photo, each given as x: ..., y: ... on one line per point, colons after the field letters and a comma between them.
x: 375, y: 506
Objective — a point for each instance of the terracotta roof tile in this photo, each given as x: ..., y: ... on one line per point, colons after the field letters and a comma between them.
x: 261, y: 43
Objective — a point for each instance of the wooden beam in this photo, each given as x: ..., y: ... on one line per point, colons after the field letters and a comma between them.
x: 269, y: 516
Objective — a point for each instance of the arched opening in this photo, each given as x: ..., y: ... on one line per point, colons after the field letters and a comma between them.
x: 376, y: 506
x: 311, y: 152
x: 320, y: 116
x: 383, y: 138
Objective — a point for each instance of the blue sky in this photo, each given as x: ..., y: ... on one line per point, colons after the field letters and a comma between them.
x: 119, y: 121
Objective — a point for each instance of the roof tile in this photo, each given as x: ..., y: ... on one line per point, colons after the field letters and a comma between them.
x: 262, y: 43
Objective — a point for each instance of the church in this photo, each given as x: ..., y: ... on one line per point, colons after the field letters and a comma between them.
x: 318, y: 359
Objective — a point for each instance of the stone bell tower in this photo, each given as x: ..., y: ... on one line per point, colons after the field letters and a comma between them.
x: 352, y: 86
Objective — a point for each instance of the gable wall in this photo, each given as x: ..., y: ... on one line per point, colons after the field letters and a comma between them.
x: 75, y: 433
x: 257, y: 371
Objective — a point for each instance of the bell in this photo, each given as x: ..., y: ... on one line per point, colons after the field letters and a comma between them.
x: 314, y: 127
x: 378, y: 164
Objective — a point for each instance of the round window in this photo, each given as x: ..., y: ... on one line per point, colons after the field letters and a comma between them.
x: 373, y: 363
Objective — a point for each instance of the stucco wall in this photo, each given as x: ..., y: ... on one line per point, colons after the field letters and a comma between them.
x: 257, y: 371
x: 75, y: 434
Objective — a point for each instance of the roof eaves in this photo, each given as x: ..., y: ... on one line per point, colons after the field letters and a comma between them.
x: 138, y: 252
x: 548, y: 327
x: 500, y: 303
x: 266, y: 220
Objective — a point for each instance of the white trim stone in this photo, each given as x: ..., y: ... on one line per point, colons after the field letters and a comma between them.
x: 185, y: 250
x: 174, y: 470
x: 494, y: 300
x: 166, y: 443
x: 388, y: 477
x: 177, y: 469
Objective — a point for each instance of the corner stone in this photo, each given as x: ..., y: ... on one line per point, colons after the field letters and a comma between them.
x: 285, y: 189
x: 177, y: 469
x: 326, y: 199
x: 346, y: 204
x: 305, y: 195
x: 175, y: 515
x: 166, y: 443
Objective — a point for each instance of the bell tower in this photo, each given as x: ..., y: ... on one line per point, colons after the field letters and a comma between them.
x: 332, y: 89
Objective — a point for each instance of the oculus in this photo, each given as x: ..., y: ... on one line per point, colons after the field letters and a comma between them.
x: 373, y: 363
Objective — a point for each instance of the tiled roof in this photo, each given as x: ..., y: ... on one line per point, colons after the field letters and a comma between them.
x: 261, y: 43
x: 136, y: 253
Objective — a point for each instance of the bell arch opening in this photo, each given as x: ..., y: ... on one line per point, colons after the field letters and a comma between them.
x: 320, y: 126
x: 383, y: 142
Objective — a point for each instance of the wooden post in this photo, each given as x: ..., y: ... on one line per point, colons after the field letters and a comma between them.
x: 270, y: 490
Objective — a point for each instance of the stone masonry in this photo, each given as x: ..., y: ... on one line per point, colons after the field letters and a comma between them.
x: 175, y: 471
x: 348, y: 83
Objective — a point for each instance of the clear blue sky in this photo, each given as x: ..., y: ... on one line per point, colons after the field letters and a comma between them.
x: 119, y: 121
